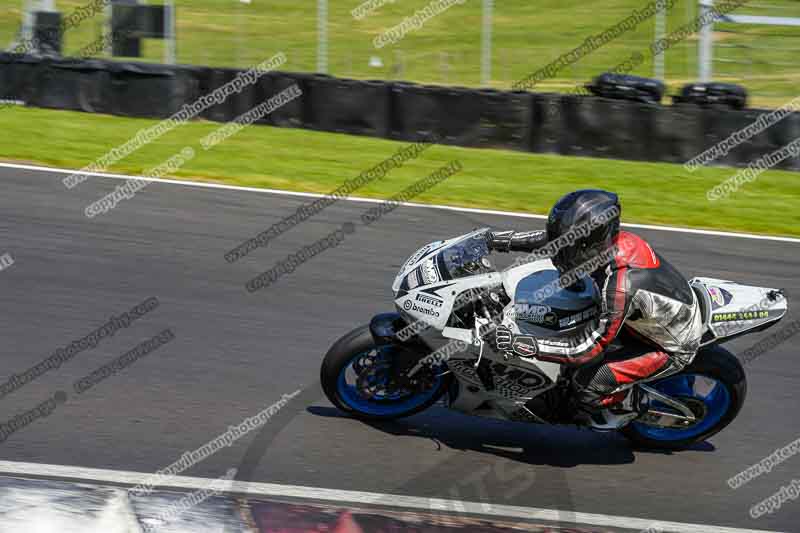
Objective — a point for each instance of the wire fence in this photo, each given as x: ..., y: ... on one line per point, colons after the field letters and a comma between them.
x: 446, y: 48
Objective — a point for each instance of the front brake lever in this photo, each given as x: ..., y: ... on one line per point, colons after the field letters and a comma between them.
x: 478, y: 339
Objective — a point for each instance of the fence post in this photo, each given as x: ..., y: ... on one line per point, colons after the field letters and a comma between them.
x: 705, y: 49
x: 486, y: 42
x: 322, y: 36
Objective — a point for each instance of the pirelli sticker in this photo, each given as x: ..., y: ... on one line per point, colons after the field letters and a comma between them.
x: 740, y: 315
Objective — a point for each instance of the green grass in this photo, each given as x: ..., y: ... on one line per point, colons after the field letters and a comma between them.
x: 303, y: 160
x: 446, y: 50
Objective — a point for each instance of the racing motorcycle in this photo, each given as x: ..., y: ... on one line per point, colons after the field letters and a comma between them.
x: 437, y: 346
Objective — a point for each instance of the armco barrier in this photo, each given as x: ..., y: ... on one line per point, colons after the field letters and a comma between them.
x: 575, y: 125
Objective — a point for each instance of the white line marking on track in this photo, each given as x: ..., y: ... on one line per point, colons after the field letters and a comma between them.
x: 342, y: 497
x: 377, y: 201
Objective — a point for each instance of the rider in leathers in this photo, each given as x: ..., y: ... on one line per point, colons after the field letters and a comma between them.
x: 640, y: 292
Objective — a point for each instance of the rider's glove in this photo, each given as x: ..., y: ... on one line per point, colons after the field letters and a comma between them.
x: 499, y: 240
x: 516, y: 241
x: 503, y: 338
x: 518, y: 345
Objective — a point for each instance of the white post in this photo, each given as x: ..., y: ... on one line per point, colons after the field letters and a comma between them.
x: 705, y: 47
x: 170, y: 45
x: 109, y: 30
x: 27, y: 21
x: 660, y: 32
x: 322, y: 36
x: 239, y: 33
x: 486, y: 42
x: 29, y: 7
x: 689, y: 52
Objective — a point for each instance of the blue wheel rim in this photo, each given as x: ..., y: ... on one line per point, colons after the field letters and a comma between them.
x: 711, y: 392
x: 385, y: 406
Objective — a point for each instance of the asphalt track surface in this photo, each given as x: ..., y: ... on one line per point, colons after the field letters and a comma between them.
x: 235, y: 353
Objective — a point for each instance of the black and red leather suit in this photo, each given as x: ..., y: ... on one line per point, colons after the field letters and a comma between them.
x: 642, y: 294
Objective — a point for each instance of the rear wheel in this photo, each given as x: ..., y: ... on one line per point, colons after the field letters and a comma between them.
x: 713, y: 387
x: 357, y: 378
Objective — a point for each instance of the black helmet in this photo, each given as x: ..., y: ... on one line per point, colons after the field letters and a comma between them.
x: 588, y: 210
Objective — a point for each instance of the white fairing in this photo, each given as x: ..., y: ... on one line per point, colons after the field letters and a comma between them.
x: 428, y: 297
x: 732, y: 309
x: 433, y: 304
x: 437, y: 277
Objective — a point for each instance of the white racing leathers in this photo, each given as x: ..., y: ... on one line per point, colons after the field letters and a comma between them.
x: 644, y: 293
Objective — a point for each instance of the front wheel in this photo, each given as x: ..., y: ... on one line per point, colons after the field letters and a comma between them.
x: 713, y: 387
x: 357, y: 377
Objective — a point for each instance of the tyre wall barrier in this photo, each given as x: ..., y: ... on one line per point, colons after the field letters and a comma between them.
x: 348, y: 106
x: 565, y: 124
x: 460, y: 116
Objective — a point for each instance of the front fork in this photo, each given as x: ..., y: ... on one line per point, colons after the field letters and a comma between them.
x: 410, y: 350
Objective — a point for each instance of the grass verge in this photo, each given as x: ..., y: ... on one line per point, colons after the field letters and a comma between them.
x: 302, y: 160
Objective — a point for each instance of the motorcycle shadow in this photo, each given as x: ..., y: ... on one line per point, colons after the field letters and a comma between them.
x: 559, y: 446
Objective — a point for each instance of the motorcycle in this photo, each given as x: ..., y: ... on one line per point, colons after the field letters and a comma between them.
x: 437, y: 346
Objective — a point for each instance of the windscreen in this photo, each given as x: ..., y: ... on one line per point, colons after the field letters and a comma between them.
x: 466, y: 258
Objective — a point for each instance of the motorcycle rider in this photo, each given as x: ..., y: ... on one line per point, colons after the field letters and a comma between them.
x: 640, y: 291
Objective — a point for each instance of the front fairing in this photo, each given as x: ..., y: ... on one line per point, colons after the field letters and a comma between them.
x: 439, y: 261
